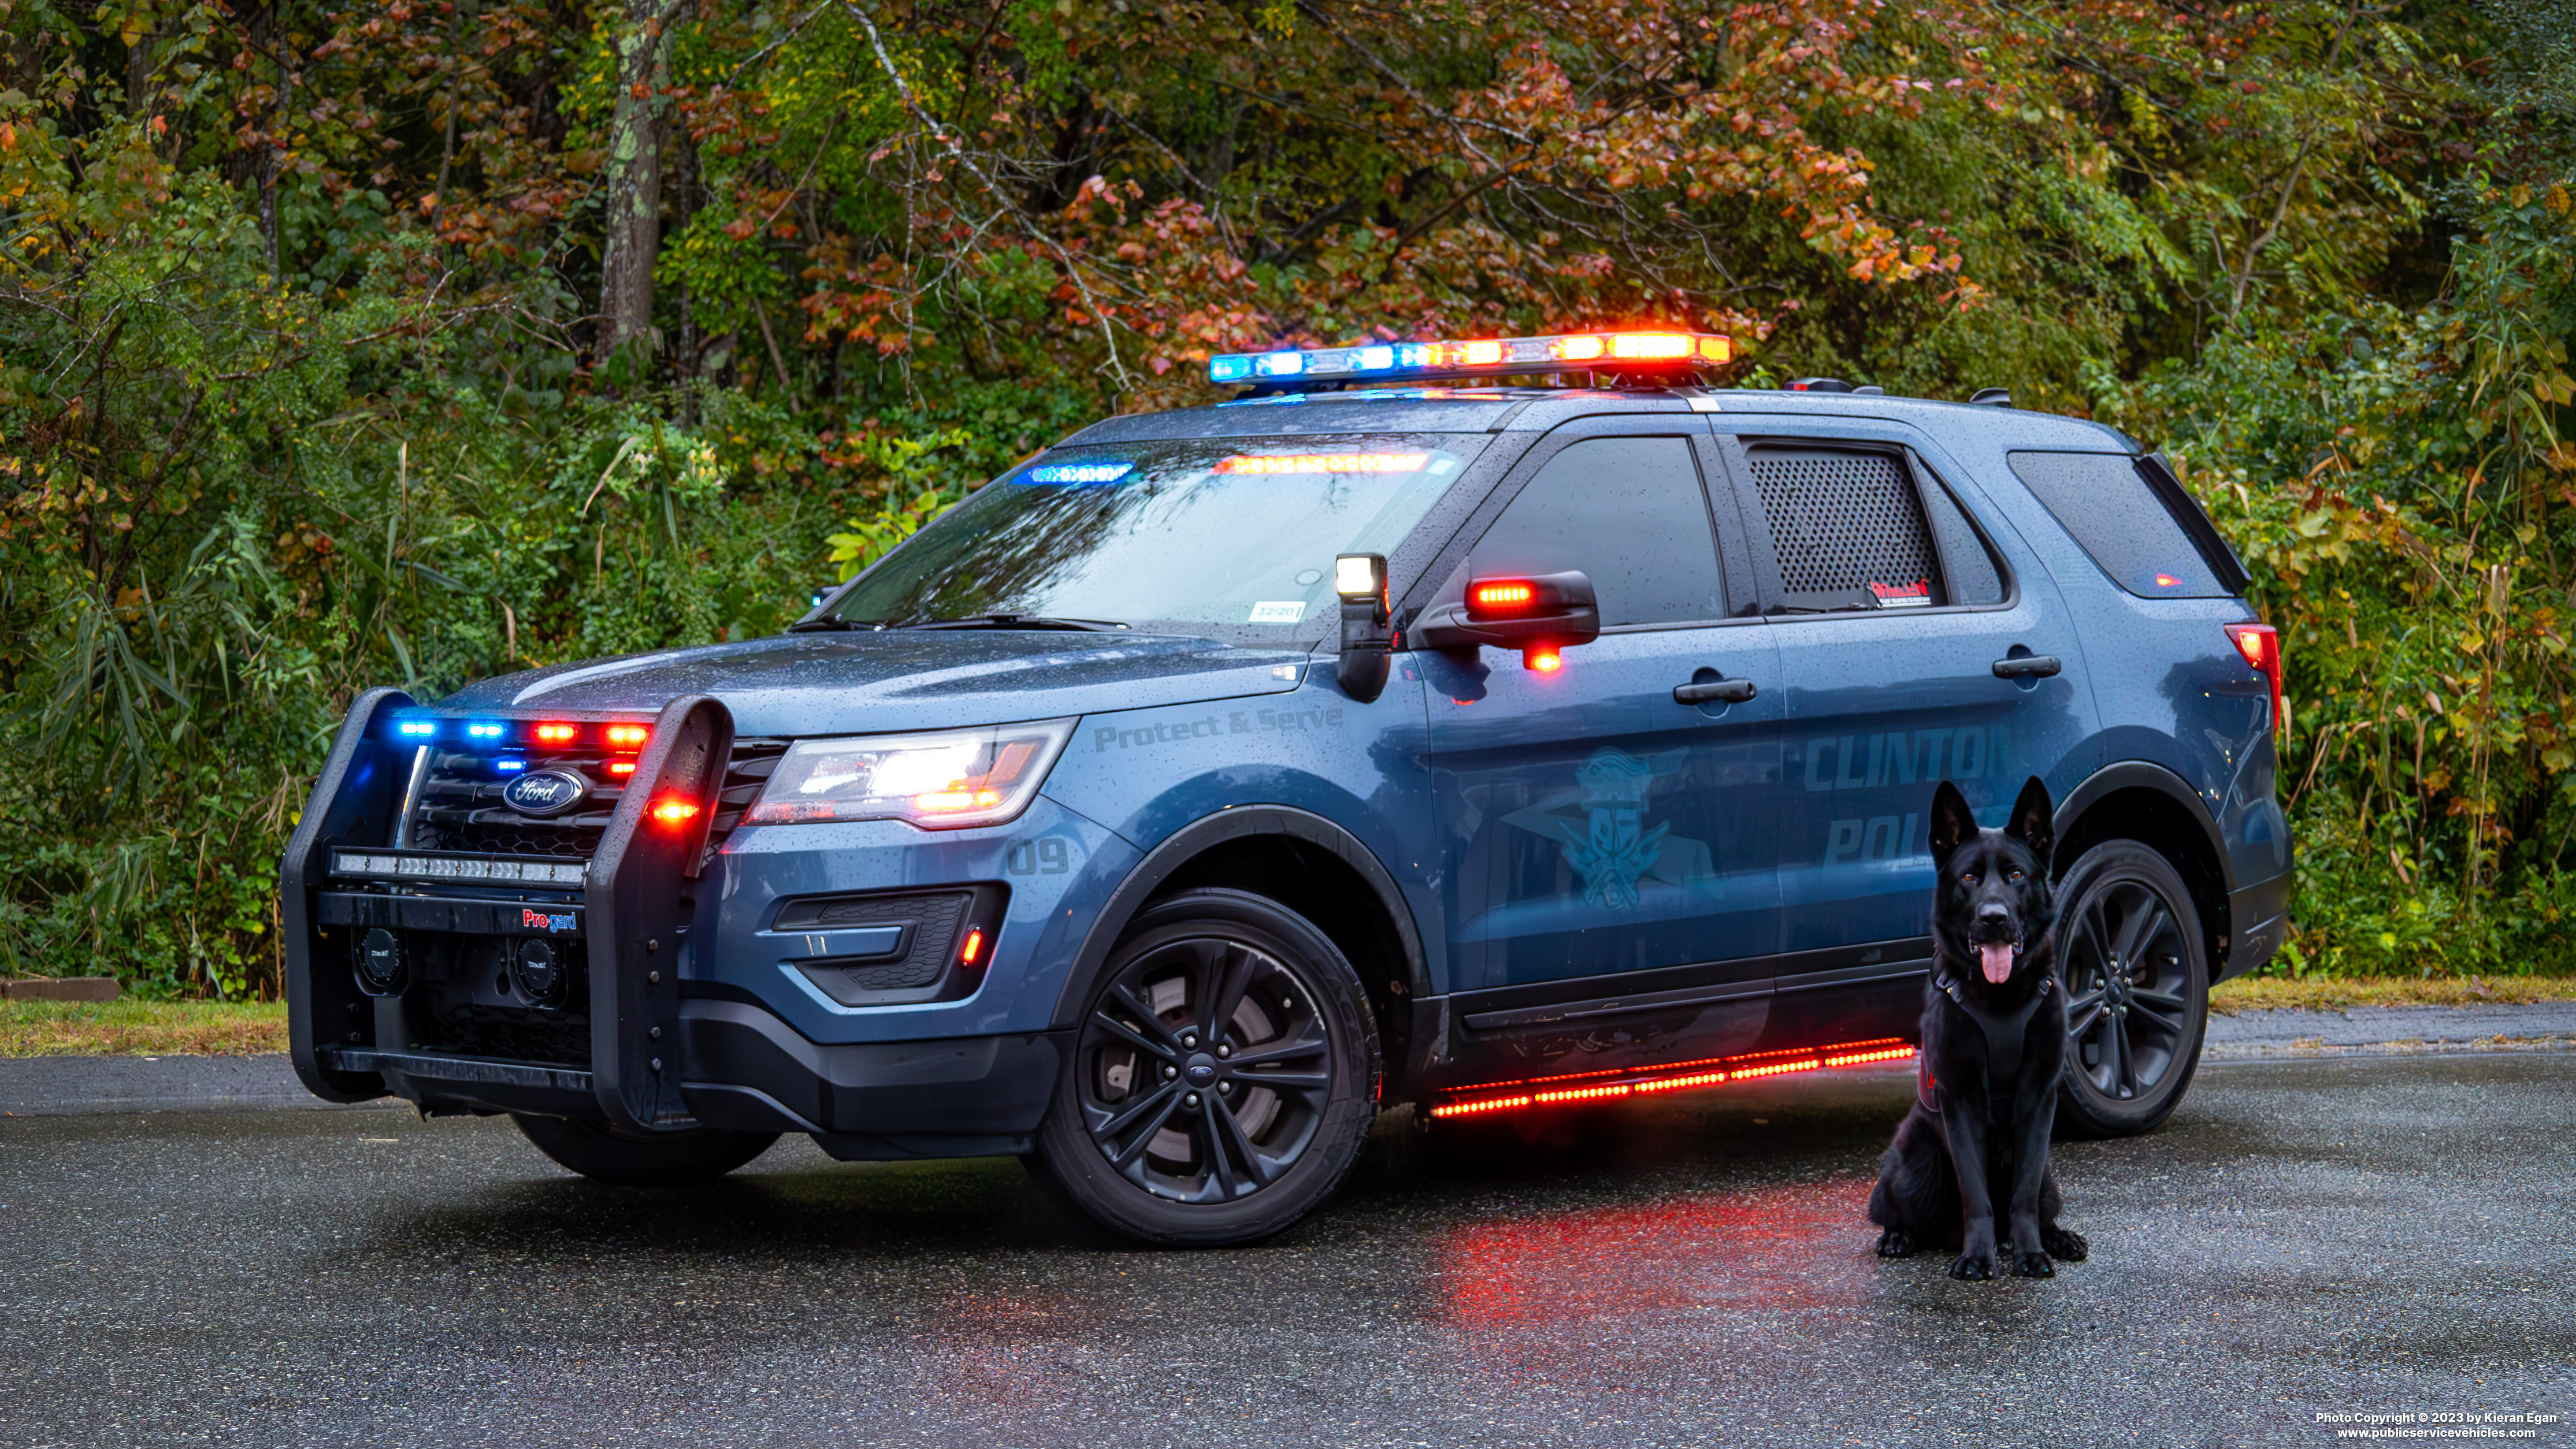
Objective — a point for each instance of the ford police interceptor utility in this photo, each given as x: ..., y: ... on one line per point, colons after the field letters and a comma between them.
x: 1558, y: 733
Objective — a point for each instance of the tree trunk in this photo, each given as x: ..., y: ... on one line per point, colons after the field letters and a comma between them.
x: 634, y: 205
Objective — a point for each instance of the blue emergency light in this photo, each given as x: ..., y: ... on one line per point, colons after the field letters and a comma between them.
x: 1078, y: 474
x: 1618, y: 351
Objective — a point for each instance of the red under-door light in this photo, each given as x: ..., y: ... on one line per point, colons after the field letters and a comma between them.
x: 1671, y: 1077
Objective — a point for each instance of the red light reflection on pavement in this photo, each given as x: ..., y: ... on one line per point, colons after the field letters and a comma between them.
x: 1537, y: 1290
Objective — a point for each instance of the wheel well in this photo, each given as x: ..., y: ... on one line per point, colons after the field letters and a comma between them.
x: 2163, y: 824
x: 1317, y: 884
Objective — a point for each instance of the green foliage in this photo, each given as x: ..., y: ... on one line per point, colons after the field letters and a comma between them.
x: 302, y: 390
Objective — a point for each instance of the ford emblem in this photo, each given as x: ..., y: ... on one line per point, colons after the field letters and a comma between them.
x: 545, y: 792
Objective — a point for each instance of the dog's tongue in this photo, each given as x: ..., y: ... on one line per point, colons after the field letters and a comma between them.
x: 1996, y: 958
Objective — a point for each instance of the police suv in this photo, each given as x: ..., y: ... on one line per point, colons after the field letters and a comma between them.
x: 1397, y: 734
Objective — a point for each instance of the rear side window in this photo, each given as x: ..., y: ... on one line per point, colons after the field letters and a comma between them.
x: 1628, y: 512
x: 2130, y: 525
x: 1848, y: 528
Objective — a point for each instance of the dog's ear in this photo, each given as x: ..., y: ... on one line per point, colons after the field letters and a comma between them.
x: 2035, y: 821
x: 1953, y: 823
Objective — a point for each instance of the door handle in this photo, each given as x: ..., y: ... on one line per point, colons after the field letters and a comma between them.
x: 1732, y: 691
x: 2028, y: 666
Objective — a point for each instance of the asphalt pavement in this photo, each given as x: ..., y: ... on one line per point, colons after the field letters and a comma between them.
x: 2368, y: 1234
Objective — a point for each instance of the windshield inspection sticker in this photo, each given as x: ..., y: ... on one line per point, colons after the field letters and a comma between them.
x: 1279, y: 611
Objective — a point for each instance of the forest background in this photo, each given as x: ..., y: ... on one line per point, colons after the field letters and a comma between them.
x: 347, y: 342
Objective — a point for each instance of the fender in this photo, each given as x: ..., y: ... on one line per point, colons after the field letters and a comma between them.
x: 2139, y: 774
x: 1234, y: 823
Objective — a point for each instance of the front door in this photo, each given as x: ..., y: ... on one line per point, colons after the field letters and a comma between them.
x: 1608, y: 864
x: 1894, y: 594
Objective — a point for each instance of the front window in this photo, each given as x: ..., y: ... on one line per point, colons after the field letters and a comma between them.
x: 1230, y: 538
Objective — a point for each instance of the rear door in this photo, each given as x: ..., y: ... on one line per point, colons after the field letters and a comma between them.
x: 1608, y: 861
x: 1919, y: 641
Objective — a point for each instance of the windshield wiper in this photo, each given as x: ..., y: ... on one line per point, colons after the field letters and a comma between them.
x: 1017, y: 621
x: 817, y: 626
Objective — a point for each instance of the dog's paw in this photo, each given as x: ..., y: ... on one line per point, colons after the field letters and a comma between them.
x: 2033, y: 1265
x: 1895, y: 1243
x: 1974, y: 1267
x: 2062, y: 1244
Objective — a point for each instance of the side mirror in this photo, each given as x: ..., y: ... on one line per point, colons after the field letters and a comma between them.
x: 1360, y: 580
x: 1537, y: 615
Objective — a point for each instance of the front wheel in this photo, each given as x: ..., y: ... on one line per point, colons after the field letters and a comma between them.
x: 2136, y: 968
x: 1223, y: 1078
x: 702, y: 1155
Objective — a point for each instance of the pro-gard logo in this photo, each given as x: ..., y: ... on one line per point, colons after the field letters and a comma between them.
x: 545, y: 792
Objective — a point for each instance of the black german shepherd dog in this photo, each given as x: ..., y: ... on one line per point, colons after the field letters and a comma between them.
x: 1970, y: 1163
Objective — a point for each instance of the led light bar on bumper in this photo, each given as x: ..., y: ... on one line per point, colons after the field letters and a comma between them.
x: 1617, y: 351
x: 942, y: 780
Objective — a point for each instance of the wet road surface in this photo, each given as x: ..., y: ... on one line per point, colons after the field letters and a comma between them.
x: 2367, y: 1235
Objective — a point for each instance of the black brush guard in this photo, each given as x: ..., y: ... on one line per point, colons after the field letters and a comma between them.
x: 350, y: 1047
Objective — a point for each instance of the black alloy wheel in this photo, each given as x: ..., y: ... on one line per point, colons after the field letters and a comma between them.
x: 2136, y: 969
x: 675, y: 1159
x: 1223, y: 1077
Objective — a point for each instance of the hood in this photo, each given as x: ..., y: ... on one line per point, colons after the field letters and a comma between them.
x: 868, y: 683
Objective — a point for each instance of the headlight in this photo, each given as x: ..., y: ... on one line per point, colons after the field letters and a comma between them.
x: 941, y: 780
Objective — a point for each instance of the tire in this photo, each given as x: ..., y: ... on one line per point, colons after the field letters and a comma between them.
x: 1260, y: 1140
x: 2136, y: 968
x: 681, y: 1158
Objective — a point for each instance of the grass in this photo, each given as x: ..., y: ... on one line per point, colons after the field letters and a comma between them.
x: 2328, y: 993
x: 141, y: 1028
x: 228, y: 1028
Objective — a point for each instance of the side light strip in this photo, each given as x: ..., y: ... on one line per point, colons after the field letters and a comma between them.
x: 1585, y: 1094
x: 1489, y: 1104
x: 1714, y: 1071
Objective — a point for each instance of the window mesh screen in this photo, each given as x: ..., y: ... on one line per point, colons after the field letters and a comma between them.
x: 1842, y: 522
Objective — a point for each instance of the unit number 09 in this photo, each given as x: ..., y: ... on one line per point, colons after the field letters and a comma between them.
x: 1046, y: 856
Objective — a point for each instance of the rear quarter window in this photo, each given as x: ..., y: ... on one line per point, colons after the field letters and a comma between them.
x: 2124, y: 518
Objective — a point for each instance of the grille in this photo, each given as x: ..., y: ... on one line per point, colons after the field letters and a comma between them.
x: 1841, y: 522
x: 461, y: 807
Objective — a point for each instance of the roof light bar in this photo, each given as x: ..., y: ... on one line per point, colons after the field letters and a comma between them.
x: 1501, y: 357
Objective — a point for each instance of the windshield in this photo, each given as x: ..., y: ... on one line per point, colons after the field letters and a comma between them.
x: 1233, y: 538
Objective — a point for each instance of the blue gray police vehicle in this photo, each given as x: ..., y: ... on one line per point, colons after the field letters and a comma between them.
x: 1481, y: 728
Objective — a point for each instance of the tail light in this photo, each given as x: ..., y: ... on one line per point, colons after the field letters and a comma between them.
x: 2261, y: 646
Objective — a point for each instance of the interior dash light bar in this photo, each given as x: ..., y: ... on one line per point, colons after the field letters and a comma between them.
x: 1673, y: 1077
x: 1499, y: 358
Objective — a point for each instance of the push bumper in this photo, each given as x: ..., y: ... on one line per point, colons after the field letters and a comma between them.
x: 663, y: 1052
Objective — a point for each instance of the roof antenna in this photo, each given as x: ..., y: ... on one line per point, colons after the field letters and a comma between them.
x: 1991, y: 397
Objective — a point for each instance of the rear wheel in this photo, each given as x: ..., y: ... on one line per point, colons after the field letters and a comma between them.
x: 595, y: 1152
x: 1223, y: 1078
x: 2136, y: 969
